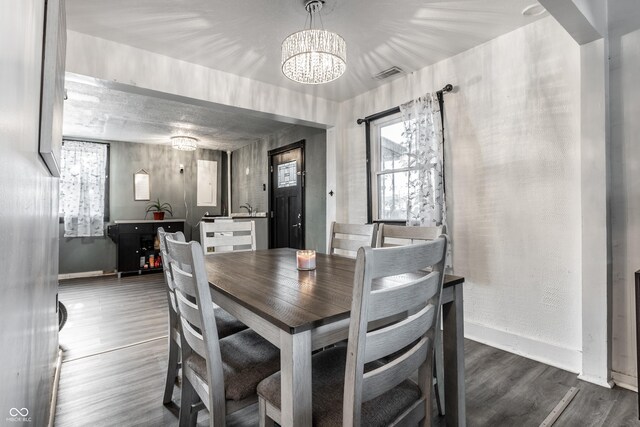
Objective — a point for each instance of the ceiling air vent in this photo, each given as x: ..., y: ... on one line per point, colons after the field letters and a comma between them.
x: 388, y: 73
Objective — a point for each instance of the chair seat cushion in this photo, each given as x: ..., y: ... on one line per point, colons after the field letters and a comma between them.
x: 328, y: 392
x: 227, y: 324
x: 247, y: 359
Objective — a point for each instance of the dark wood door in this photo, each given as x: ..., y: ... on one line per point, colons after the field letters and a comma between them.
x: 286, y: 200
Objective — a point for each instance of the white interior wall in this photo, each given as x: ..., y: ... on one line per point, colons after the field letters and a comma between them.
x: 513, y: 181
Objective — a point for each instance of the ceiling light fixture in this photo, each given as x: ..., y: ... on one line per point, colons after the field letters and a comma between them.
x: 314, y: 56
x: 184, y: 143
x: 535, y: 9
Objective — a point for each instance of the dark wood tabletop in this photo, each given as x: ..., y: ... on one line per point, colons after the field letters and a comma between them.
x: 268, y: 283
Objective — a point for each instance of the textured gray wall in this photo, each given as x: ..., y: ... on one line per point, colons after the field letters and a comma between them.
x: 166, y: 182
x: 28, y: 249
x: 248, y: 187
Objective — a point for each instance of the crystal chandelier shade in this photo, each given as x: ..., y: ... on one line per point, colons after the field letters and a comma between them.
x: 184, y: 143
x: 314, y: 56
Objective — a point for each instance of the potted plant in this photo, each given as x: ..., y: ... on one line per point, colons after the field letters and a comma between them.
x: 158, y: 208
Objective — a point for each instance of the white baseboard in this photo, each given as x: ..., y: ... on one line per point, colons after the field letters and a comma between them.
x: 625, y: 381
x: 597, y: 381
x: 82, y: 274
x: 549, y: 354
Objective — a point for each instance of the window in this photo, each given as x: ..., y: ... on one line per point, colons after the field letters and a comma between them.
x: 389, y: 169
x: 84, y: 188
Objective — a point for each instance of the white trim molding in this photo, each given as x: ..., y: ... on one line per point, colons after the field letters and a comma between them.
x: 82, y: 274
x: 625, y: 381
x: 549, y: 354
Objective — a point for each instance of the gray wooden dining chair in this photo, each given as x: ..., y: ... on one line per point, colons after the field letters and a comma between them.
x: 227, y: 236
x: 226, y: 323
x: 400, y: 235
x: 367, y: 382
x: 348, y: 238
x: 220, y: 374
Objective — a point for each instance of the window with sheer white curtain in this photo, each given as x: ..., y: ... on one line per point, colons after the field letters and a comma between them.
x: 83, y: 186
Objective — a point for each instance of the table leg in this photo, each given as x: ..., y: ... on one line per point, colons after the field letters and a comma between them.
x: 295, y: 365
x: 453, y: 345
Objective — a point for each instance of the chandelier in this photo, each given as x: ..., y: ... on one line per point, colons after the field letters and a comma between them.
x: 184, y: 143
x: 314, y: 56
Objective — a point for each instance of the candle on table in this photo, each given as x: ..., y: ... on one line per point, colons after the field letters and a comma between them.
x: 306, y: 260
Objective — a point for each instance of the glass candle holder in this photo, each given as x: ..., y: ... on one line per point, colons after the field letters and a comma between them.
x: 306, y: 260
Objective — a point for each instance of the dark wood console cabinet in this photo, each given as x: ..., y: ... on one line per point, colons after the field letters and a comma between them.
x: 135, y: 240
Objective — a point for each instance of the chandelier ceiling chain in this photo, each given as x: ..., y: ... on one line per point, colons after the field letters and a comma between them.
x: 314, y: 56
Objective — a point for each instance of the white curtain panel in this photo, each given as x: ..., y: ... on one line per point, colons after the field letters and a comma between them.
x: 423, y: 139
x: 82, y: 188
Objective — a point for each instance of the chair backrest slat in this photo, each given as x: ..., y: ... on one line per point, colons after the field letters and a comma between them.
x: 227, y: 236
x: 351, y: 237
x: 193, y: 339
x: 399, y: 235
x: 386, y: 377
x: 188, y: 310
x: 410, y: 339
x: 405, y: 259
x: 403, y: 297
x: 216, y: 241
x: 383, y: 342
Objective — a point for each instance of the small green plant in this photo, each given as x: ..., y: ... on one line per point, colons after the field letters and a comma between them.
x: 158, y: 206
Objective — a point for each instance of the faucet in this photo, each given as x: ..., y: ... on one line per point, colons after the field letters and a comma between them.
x: 248, y: 207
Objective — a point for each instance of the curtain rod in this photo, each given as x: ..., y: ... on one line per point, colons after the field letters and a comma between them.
x: 446, y: 89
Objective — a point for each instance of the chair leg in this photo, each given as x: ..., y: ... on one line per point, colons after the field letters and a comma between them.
x: 439, y: 368
x: 172, y: 371
x: 425, y: 379
x: 188, y: 416
x: 263, y: 419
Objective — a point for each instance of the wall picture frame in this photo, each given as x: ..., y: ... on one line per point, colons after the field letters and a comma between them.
x: 52, y: 93
x: 141, y: 186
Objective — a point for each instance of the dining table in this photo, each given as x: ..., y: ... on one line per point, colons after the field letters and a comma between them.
x: 303, y: 311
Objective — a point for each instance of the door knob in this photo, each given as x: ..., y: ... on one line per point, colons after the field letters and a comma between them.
x: 297, y: 225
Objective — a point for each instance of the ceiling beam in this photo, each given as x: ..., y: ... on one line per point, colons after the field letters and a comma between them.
x: 584, y: 20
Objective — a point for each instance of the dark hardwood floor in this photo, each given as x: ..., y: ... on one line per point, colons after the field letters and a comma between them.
x: 114, y: 364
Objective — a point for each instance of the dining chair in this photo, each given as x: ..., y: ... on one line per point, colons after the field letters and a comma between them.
x: 226, y: 323
x: 367, y: 382
x: 350, y: 237
x: 220, y: 374
x: 399, y: 235
x: 227, y: 236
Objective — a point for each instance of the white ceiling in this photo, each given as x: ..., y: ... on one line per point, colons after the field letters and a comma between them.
x: 243, y: 37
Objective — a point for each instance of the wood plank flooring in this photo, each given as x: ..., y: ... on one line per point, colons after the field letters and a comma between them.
x: 115, y: 359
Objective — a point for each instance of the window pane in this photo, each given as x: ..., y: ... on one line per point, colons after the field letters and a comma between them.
x: 393, y: 151
x: 392, y: 195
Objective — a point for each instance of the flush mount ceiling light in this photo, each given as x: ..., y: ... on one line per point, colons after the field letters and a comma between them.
x: 535, y: 9
x: 184, y: 143
x: 314, y: 56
